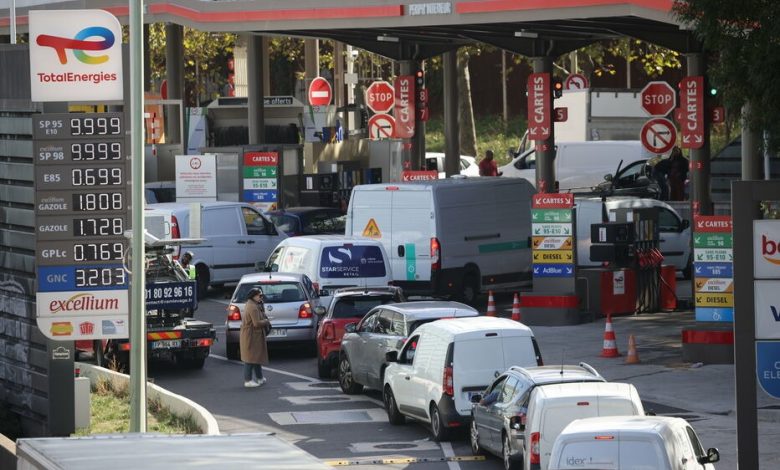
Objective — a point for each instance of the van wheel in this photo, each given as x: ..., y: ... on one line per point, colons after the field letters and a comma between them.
x: 440, y: 433
x: 346, y: 380
x: 202, y: 272
x: 506, y: 452
x: 393, y: 415
x: 470, y: 289
x: 324, y: 370
x: 474, y: 438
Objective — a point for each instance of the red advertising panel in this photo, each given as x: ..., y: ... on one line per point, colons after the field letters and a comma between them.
x: 419, y: 175
x: 553, y: 201
x: 712, y: 223
x: 261, y: 158
x: 539, y: 106
x: 404, y: 107
x: 692, y: 105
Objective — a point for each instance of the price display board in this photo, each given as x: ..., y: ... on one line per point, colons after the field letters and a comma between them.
x: 82, y: 209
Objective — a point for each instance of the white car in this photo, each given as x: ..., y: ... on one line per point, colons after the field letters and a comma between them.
x: 435, y: 161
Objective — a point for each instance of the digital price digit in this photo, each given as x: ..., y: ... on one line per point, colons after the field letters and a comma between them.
x: 95, y: 126
x: 100, y: 277
x: 109, y: 176
x: 105, y: 201
x: 95, y: 151
x: 85, y: 252
x: 95, y: 226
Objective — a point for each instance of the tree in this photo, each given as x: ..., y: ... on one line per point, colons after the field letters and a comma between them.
x: 742, y: 39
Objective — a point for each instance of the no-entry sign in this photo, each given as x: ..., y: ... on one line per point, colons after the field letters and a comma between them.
x: 320, y: 92
x: 380, y: 97
x: 381, y: 126
x: 539, y: 106
x: 658, y: 98
x: 576, y: 81
x: 658, y: 135
x: 692, y: 112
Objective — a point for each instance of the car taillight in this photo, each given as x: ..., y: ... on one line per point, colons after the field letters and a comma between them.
x: 329, y: 331
x: 535, y: 448
x: 234, y: 313
x: 305, y: 311
x: 435, y: 254
x: 175, y: 233
x: 124, y: 347
x: 446, y: 381
x: 204, y: 342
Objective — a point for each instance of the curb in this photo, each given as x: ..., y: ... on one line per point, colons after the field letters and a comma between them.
x: 178, y: 404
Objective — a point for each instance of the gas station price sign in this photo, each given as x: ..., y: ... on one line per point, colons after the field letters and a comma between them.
x: 82, y: 208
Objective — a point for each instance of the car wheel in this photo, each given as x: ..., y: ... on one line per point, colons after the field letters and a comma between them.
x: 440, y: 433
x: 470, y: 289
x: 324, y: 370
x: 506, y: 452
x: 232, y: 351
x: 474, y: 438
x: 346, y: 380
x: 202, y: 273
x: 393, y: 415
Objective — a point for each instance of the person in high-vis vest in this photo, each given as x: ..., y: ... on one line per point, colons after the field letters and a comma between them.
x: 185, y: 263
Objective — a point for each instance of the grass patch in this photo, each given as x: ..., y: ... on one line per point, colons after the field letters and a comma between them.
x: 110, y: 413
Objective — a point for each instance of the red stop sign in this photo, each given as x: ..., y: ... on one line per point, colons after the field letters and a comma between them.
x: 380, y: 97
x: 658, y: 98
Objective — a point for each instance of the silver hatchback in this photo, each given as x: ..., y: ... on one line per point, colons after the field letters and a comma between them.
x: 290, y: 302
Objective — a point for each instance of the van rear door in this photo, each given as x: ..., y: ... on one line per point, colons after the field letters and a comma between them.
x: 520, y: 351
x: 476, y: 363
x: 557, y: 414
x: 410, y: 237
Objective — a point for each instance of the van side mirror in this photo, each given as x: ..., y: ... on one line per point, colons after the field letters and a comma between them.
x: 350, y: 327
x: 320, y: 310
x: 712, y: 456
x: 391, y: 356
x: 324, y: 293
x: 260, y: 266
x: 685, y: 224
x: 608, y: 177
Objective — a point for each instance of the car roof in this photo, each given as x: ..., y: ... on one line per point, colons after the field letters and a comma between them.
x: 430, y: 309
x: 334, y: 239
x: 458, y: 326
x: 585, y: 389
x: 270, y: 277
x: 302, y: 210
x: 487, y: 183
x: 376, y: 290
x: 179, y: 206
x: 543, y: 375
x: 608, y: 424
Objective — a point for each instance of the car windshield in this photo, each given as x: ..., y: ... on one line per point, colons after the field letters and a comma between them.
x: 357, y: 307
x: 273, y: 292
x: 287, y: 223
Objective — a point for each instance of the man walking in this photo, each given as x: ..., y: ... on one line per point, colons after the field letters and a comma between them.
x: 488, y: 167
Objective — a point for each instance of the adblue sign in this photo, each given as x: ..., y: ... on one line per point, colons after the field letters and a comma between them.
x: 766, y: 249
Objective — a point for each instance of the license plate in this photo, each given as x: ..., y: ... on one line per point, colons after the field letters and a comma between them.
x: 277, y: 332
x: 166, y: 344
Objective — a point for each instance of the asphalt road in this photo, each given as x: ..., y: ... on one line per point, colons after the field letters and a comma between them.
x: 317, y: 417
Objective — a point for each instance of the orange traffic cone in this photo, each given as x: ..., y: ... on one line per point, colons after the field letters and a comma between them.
x: 633, y: 356
x: 516, y: 308
x: 610, y: 346
x: 491, y: 310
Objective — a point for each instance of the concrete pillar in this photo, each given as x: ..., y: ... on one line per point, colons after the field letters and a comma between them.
x: 451, y: 127
x: 266, y: 45
x: 147, y: 61
x: 174, y: 73
x: 701, y: 200
x: 545, y: 150
x: 254, y: 69
x: 751, y: 159
x: 338, y: 74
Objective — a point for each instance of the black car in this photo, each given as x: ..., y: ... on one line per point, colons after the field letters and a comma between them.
x: 633, y: 180
x: 296, y: 221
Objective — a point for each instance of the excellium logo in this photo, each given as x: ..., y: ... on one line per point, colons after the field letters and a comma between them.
x: 80, y: 43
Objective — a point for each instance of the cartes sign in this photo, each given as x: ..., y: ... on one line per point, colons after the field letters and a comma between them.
x: 553, y: 201
x: 404, y: 107
x: 409, y: 175
x: 692, y: 112
x: 75, y: 55
x: 539, y: 106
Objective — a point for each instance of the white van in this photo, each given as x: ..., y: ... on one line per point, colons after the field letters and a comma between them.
x: 446, y: 362
x: 552, y: 407
x: 236, y: 236
x: 451, y: 237
x: 579, y: 165
x: 631, y: 442
x: 332, y: 262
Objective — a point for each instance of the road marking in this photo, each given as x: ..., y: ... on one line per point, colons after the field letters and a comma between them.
x: 219, y: 301
x: 446, y: 447
x: 277, y: 371
x: 405, y: 460
x: 328, y: 417
x: 325, y: 399
x: 399, y: 446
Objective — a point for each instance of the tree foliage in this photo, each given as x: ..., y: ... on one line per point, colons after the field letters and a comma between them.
x: 742, y: 39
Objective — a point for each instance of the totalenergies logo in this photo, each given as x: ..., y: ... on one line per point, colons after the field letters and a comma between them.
x: 769, y: 250
x: 80, y: 43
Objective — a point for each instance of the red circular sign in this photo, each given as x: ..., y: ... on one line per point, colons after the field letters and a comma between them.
x: 658, y: 135
x: 658, y: 98
x: 576, y: 81
x: 381, y: 126
x: 320, y: 92
x: 380, y: 97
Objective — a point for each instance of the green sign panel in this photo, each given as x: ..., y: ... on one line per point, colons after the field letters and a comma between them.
x: 550, y: 215
x: 259, y: 172
x: 712, y: 240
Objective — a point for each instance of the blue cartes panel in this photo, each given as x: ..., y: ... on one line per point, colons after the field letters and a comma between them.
x: 767, y: 370
x: 260, y: 195
x: 714, y: 314
x: 63, y: 278
x: 553, y: 270
x: 713, y: 270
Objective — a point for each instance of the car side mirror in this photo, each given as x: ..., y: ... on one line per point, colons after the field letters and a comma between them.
x: 685, y: 224
x: 350, y: 327
x: 608, y: 177
x: 260, y: 266
x: 320, y: 310
x: 391, y: 356
x: 712, y: 456
x: 476, y: 398
x: 324, y: 293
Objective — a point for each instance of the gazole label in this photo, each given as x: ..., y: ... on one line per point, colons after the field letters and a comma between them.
x: 552, y: 243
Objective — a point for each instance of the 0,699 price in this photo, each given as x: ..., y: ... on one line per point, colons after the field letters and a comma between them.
x: 100, y: 176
